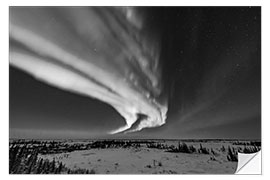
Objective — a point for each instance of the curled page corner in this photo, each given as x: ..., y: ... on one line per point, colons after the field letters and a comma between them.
x: 249, y: 163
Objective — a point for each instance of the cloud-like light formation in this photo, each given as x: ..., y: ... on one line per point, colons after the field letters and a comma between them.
x: 97, y: 52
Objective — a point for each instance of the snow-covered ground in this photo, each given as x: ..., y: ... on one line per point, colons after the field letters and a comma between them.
x: 145, y: 160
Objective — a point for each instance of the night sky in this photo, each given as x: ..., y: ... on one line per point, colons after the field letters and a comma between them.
x: 211, y: 59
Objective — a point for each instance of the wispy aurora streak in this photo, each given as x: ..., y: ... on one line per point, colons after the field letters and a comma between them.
x: 97, y: 52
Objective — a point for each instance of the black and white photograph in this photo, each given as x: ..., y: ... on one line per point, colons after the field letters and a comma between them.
x: 133, y: 89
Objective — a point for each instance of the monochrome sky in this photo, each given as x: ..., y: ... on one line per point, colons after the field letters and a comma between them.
x: 210, y: 74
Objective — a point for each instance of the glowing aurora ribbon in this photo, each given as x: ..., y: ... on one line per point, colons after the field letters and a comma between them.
x: 97, y: 52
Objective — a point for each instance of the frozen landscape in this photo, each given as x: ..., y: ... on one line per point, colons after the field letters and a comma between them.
x: 128, y: 156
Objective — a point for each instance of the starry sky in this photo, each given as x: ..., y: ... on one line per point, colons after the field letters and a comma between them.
x: 211, y: 60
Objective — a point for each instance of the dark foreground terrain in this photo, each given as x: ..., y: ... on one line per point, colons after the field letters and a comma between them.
x: 127, y: 156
